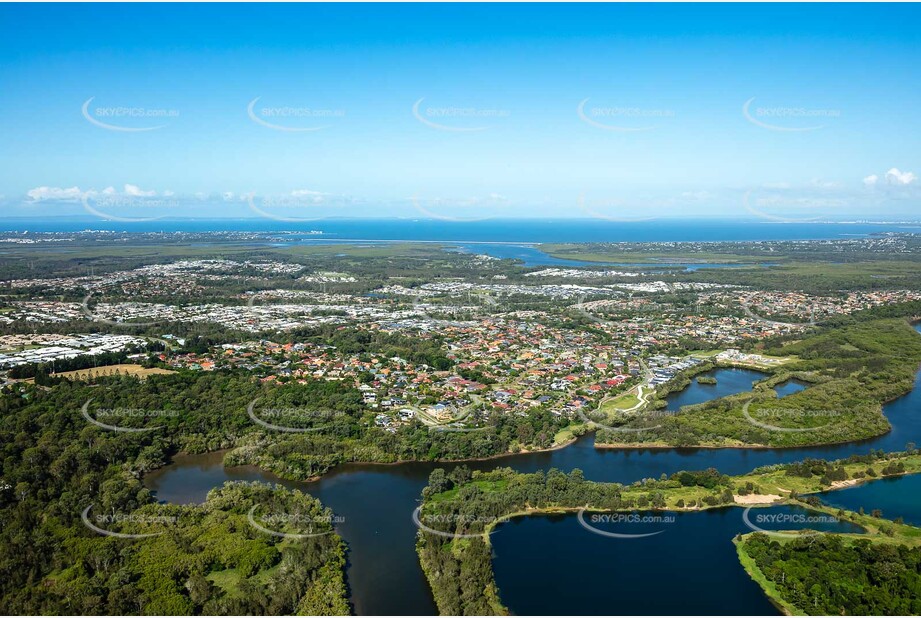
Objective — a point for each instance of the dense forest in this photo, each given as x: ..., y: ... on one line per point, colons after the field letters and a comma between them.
x: 205, y: 559
x: 829, y: 575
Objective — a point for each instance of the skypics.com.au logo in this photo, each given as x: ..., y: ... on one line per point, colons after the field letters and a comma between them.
x: 294, y: 525
x: 788, y: 119
x: 292, y: 419
x: 103, y: 523
x: 612, y: 525
x: 623, y: 119
x: 457, y: 119
x: 292, y: 119
x: 766, y: 417
x: 126, y: 119
x: 130, y: 208
x: 116, y: 418
x: 792, y: 520
x: 455, y: 525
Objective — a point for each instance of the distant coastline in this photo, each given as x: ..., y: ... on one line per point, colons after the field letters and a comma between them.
x: 495, y: 231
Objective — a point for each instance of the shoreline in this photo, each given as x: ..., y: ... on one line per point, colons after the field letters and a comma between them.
x: 768, y: 588
x: 749, y: 447
x: 562, y: 445
x: 314, y: 479
x: 493, y: 594
x: 655, y: 446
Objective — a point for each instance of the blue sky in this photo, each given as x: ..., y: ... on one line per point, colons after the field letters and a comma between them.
x: 461, y: 111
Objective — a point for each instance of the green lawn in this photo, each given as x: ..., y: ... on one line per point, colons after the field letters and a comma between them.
x: 624, y: 402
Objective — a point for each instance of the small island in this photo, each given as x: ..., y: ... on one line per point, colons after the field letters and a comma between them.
x: 708, y: 380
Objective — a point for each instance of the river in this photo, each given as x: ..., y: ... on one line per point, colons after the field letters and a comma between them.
x: 376, y: 502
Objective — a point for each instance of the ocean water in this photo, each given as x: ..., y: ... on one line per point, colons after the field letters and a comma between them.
x: 489, y: 231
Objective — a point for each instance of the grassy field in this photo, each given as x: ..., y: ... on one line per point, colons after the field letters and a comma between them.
x: 567, y: 434
x: 704, y: 353
x: 229, y: 580
x: 107, y: 370
x: 772, y: 361
x: 623, y: 402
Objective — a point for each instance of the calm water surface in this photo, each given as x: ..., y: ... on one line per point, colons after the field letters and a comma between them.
x: 728, y: 382
x: 534, y: 256
x: 553, y: 566
x: 896, y: 497
x: 491, y: 230
x: 376, y: 502
x: 789, y: 387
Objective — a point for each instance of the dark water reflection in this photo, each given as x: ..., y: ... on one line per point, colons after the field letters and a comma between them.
x: 553, y: 566
x: 895, y: 497
x: 789, y: 387
x: 728, y: 382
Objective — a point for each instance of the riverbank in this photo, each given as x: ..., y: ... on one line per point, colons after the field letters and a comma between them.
x: 877, y: 531
x: 769, y: 588
x: 517, y: 495
x: 180, y: 457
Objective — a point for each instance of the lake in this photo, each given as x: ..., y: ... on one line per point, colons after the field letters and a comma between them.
x: 729, y: 381
x: 552, y: 566
x: 789, y: 387
x: 376, y: 501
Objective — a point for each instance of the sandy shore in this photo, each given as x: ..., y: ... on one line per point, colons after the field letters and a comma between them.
x: 757, y: 499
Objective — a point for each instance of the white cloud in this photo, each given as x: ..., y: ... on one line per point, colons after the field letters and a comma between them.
x: 893, y: 178
x: 896, y: 177
x: 39, y: 194
x: 316, y: 197
x: 70, y: 194
x: 136, y: 191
